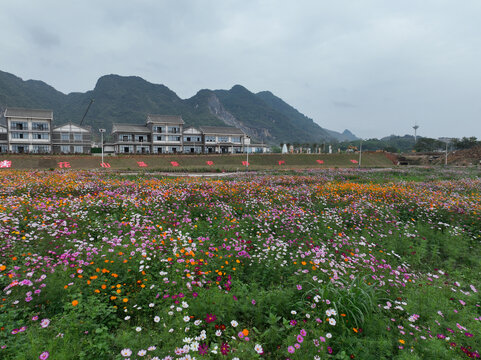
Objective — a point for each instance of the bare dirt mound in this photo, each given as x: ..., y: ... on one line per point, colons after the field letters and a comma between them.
x: 465, y: 157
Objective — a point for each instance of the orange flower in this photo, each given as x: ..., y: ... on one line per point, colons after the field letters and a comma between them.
x: 75, y: 303
x: 245, y: 332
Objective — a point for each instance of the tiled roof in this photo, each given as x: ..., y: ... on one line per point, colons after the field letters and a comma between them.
x: 130, y: 128
x: 222, y: 130
x: 170, y: 119
x: 29, y: 113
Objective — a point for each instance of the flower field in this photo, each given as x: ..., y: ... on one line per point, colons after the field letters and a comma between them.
x: 327, y: 264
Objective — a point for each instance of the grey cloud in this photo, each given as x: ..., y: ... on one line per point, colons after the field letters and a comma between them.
x: 42, y: 37
x: 344, y: 104
x: 423, y: 56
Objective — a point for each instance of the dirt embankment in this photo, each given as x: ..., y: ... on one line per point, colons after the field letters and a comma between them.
x: 466, y: 157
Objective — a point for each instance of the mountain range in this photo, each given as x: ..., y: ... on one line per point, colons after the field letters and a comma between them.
x: 128, y: 99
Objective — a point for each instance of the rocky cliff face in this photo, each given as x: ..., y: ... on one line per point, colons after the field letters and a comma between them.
x: 216, y: 109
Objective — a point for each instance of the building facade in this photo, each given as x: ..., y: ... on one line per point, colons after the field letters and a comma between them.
x: 224, y: 140
x: 164, y: 134
x: 3, y: 139
x: 29, y: 130
x: 71, y: 139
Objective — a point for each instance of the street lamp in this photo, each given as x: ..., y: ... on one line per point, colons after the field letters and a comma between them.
x: 102, y: 142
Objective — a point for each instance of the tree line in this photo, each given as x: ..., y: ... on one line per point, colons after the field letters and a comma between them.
x: 393, y: 143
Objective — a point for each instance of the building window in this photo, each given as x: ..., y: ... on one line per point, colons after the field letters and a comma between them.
x: 40, y: 149
x: 174, y: 138
x: 77, y: 137
x: 19, y: 149
x: 17, y: 135
x: 78, y: 149
x: 125, y: 138
x: 40, y: 126
x: 65, y: 149
x: 159, y: 138
x: 40, y: 136
x: 65, y: 136
x: 192, y: 138
x: 158, y: 129
x: 210, y: 139
x: 223, y: 139
x: 173, y: 130
x: 19, y: 125
x: 236, y: 139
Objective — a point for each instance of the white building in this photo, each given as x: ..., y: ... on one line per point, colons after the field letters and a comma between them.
x: 71, y: 139
x: 29, y: 130
x: 3, y: 139
x: 223, y: 139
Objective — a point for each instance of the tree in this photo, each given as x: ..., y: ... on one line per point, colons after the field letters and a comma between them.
x: 465, y: 143
x: 427, y: 144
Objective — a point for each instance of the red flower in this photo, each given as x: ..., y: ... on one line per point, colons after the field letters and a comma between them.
x: 224, y: 349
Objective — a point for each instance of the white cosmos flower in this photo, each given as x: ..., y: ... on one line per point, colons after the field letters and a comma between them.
x: 126, y: 352
x: 258, y: 348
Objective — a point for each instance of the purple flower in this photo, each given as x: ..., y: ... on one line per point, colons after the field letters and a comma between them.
x: 44, y: 355
x: 300, y: 339
x: 210, y: 318
x: 203, y: 349
x: 291, y: 349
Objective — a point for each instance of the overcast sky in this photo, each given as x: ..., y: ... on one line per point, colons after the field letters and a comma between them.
x: 373, y: 67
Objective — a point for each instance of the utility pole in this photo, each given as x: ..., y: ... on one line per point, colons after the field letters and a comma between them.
x: 446, y: 158
x: 102, y: 142
x: 360, y: 154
